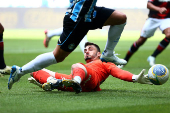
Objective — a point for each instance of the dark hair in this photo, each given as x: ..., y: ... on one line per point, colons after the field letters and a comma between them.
x: 90, y: 43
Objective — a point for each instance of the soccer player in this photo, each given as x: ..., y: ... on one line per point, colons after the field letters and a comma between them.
x: 4, y: 69
x: 159, y: 16
x: 85, y: 77
x: 57, y: 32
x: 82, y: 16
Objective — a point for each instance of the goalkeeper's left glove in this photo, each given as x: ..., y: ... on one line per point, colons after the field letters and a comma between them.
x: 141, y: 78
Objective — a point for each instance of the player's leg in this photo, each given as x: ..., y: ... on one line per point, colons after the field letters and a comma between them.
x: 2, y: 62
x: 68, y: 41
x: 79, y: 73
x: 50, y: 33
x: 148, y: 30
x: 55, y: 32
x: 40, y: 62
x: 41, y: 76
x: 135, y: 46
x: 46, y: 80
x: 51, y: 83
x: 163, y: 44
x: 56, y: 83
x: 117, y: 21
x: 71, y: 82
x: 3, y: 68
x: 83, y: 76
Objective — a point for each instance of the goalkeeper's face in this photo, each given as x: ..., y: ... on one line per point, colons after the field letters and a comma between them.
x: 91, y: 53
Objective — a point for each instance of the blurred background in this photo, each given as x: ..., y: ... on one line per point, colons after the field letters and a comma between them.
x: 48, y: 14
x: 25, y: 21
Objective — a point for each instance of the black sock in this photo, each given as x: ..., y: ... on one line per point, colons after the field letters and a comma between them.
x: 2, y: 62
x: 131, y: 51
x: 162, y: 45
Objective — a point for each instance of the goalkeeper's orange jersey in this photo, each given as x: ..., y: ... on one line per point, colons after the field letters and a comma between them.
x: 98, y: 71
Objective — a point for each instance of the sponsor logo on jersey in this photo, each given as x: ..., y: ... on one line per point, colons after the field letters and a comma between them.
x: 71, y: 46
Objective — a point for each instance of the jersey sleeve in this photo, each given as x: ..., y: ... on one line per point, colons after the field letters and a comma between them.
x: 118, y: 73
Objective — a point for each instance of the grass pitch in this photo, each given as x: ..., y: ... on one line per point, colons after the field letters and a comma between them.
x: 117, y: 96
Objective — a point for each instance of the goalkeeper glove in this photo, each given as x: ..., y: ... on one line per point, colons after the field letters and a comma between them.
x: 141, y: 78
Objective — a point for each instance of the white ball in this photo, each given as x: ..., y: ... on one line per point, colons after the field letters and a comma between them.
x: 158, y: 74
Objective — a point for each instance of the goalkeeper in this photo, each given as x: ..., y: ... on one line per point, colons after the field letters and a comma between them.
x: 85, y: 77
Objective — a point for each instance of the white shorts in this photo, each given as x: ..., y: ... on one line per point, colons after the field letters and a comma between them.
x: 152, y: 24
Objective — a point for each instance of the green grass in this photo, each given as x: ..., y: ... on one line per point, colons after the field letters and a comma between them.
x: 116, y: 96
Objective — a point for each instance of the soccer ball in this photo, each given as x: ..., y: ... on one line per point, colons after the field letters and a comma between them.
x: 158, y: 74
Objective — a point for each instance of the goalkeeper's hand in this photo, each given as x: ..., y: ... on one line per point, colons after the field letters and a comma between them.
x: 141, y: 78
